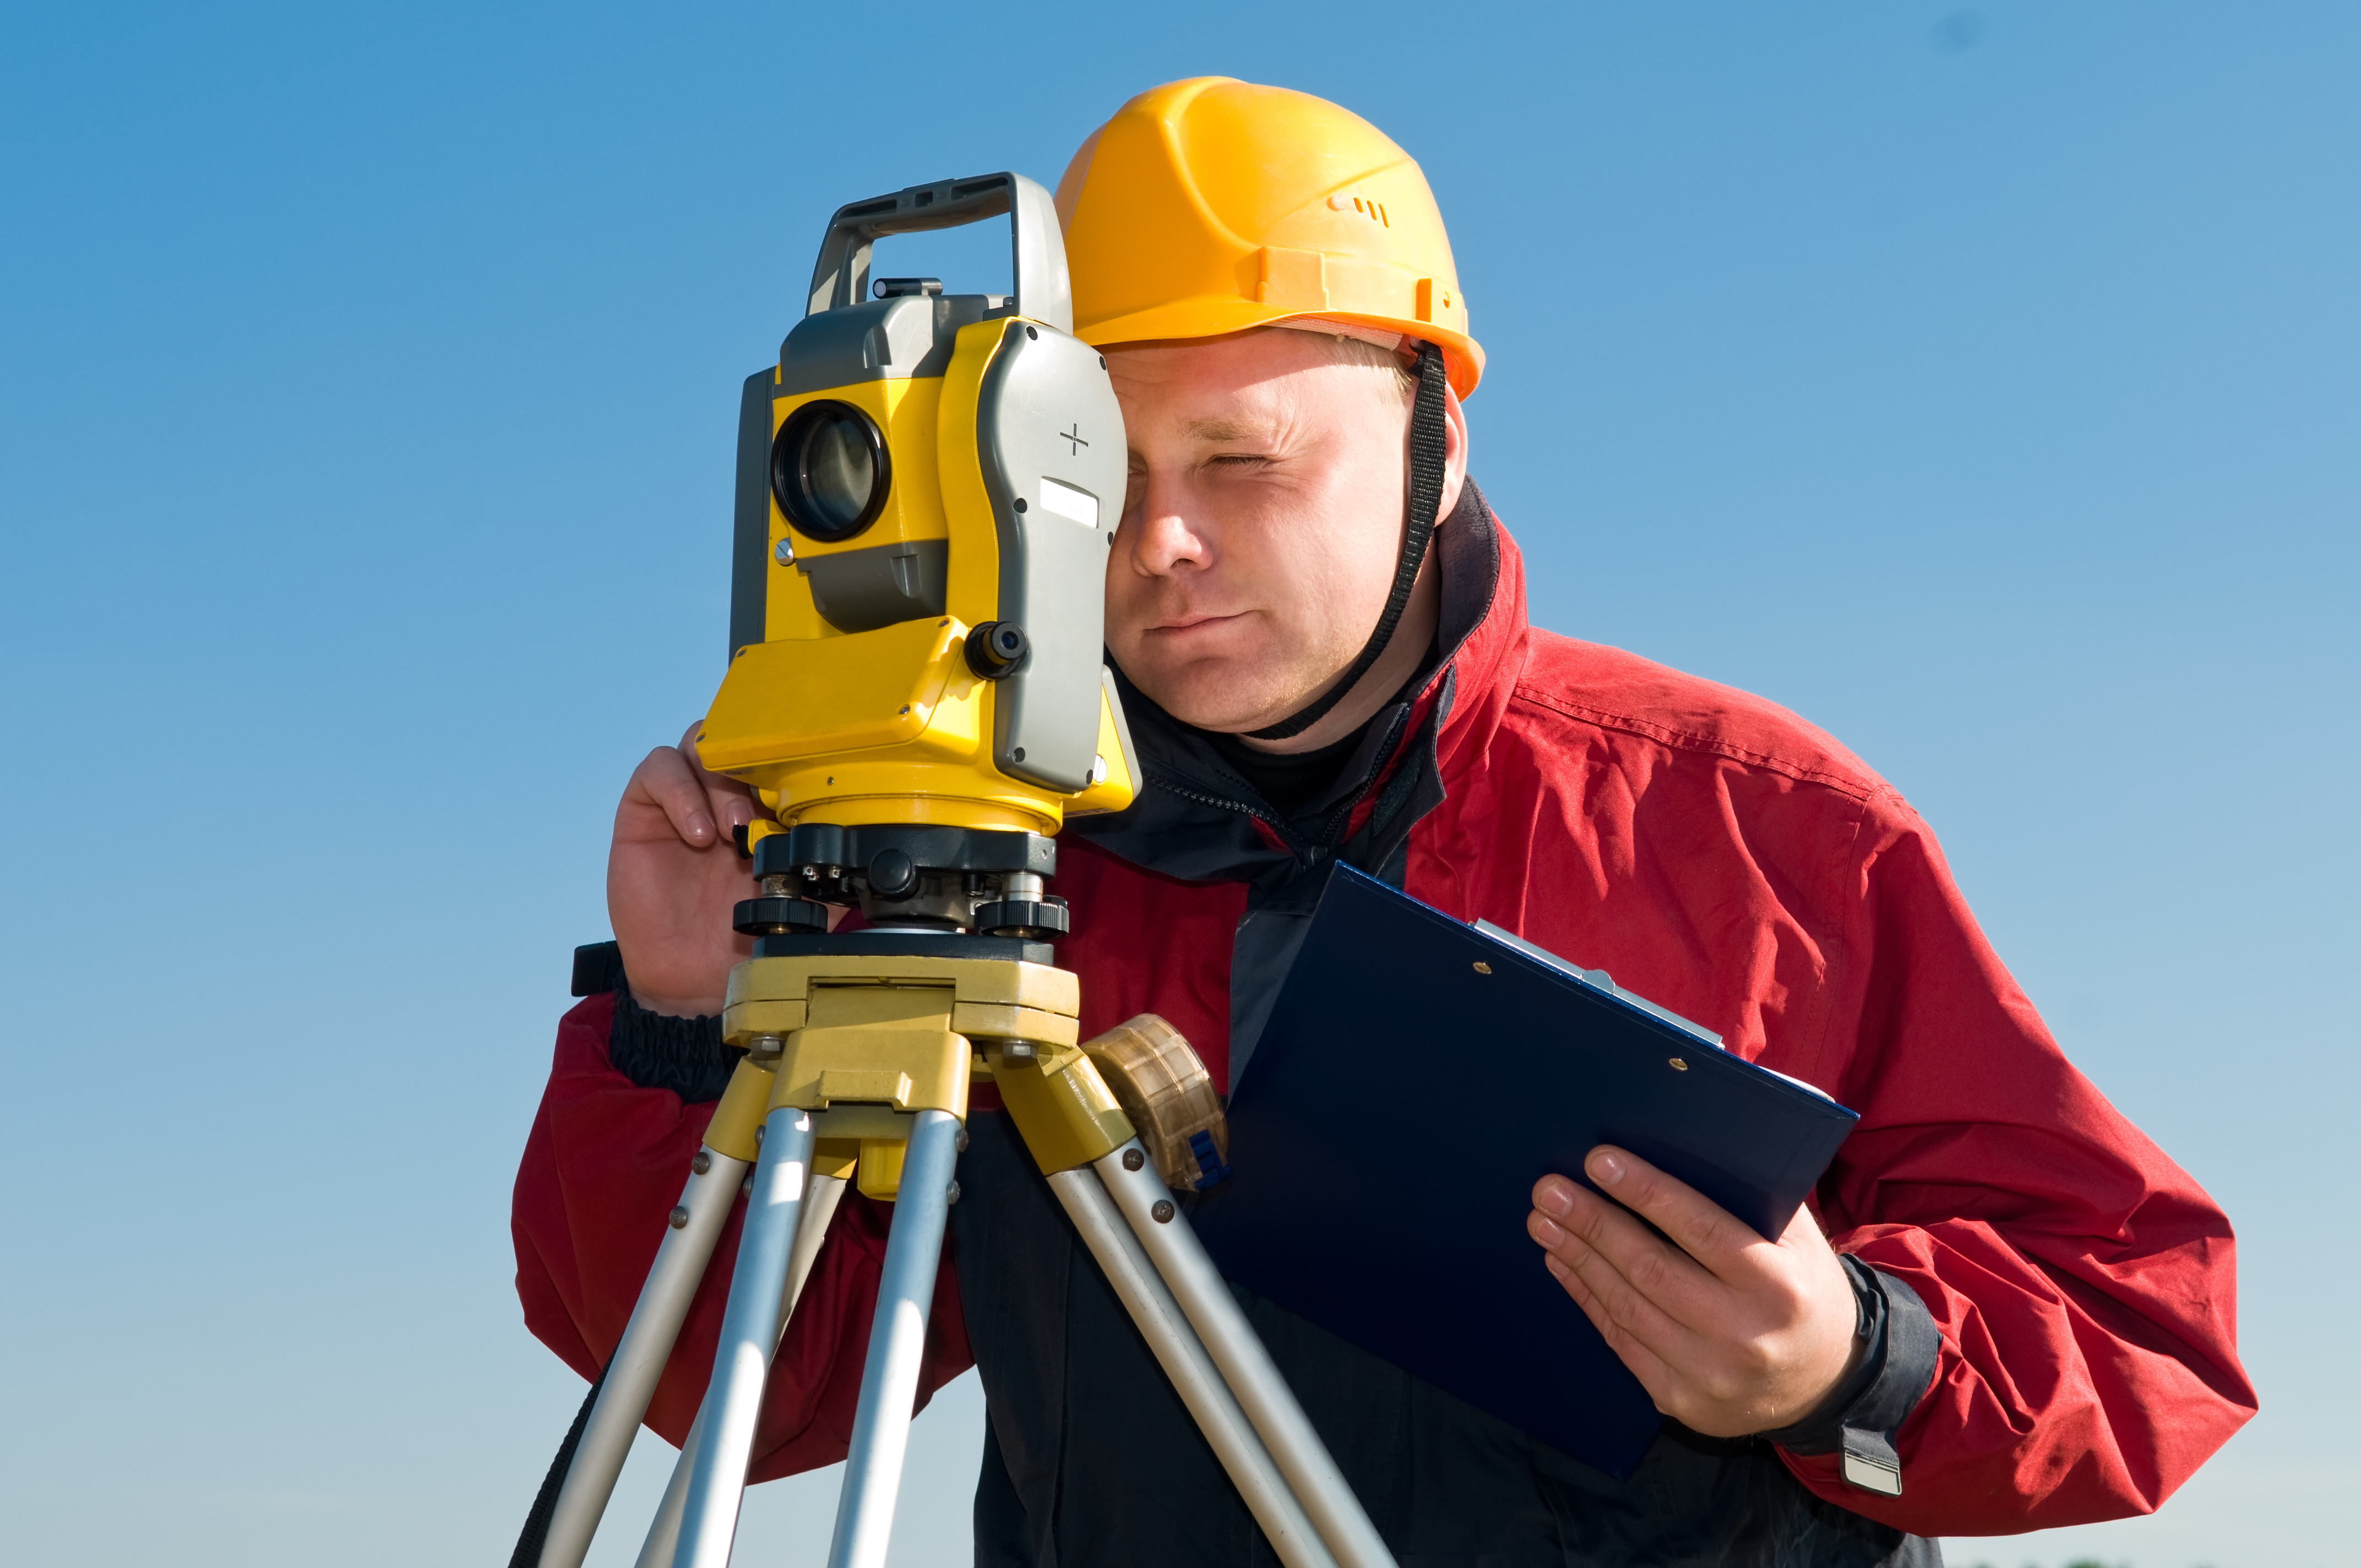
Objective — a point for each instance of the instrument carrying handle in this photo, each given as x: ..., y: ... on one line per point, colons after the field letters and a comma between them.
x: 1036, y: 244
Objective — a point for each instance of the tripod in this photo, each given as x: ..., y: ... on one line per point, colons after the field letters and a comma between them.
x: 860, y: 1052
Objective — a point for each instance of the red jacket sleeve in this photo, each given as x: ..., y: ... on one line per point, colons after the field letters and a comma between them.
x: 604, y: 1165
x: 2084, y: 1285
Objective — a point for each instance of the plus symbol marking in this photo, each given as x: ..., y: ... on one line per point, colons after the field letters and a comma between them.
x: 1074, y: 436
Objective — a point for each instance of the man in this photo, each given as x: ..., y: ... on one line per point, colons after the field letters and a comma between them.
x: 2004, y: 1308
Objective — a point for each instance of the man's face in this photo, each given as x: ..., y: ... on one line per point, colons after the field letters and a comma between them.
x: 1261, y: 523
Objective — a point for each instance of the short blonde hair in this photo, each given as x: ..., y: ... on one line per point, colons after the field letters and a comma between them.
x: 1354, y: 350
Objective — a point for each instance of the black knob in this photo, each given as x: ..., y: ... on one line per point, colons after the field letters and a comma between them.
x: 777, y: 916
x: 1038, y: 919
x: 893, y: 874
x: 996, y: 648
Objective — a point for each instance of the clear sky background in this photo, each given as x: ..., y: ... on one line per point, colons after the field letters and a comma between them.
x: 1984, y: 385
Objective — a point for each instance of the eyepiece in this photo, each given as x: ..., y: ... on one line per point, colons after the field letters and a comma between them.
x: 829, y: 471
x: 996, y: 648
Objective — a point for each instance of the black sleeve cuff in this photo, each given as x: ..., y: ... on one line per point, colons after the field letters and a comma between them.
x: 654, y: 1050
x: 1861, y: 1416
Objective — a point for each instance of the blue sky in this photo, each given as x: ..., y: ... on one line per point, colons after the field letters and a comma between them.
x: 1981, y: 383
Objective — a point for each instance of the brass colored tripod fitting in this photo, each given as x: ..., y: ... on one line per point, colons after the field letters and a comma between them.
x: 1165, y: 1089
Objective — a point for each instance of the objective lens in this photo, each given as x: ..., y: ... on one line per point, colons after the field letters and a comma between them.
x: 829, y: 471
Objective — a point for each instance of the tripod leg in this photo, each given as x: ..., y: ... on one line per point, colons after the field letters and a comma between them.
x: 1194, y: 1377
x: 639, y: 1358
x: 1245, y: 1366
x: 898, y: 1343
x: 811, y: 1231
x: 749, y: 1333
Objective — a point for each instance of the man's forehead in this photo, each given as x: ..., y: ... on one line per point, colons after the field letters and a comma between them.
x: 1225, y: 389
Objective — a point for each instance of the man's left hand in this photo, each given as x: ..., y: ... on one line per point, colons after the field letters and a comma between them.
x: 1729, y: 1334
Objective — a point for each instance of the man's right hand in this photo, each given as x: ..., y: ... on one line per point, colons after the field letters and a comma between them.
x: 674, y: 876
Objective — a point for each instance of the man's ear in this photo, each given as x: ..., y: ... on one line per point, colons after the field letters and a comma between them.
x: 1455, y: 452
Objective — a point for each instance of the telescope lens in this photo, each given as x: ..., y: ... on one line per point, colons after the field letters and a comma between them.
x: 829, y: 471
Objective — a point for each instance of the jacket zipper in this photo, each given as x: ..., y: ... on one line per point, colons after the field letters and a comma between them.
x: 1240, y: 806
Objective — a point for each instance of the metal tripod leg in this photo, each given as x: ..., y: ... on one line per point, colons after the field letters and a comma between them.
x: 750, y: 1332
x: 1180, y: 1259
x: 811, y: 1233
x: 898, y: 1343
x: 640, y: 1356
x: 1193, y: 1374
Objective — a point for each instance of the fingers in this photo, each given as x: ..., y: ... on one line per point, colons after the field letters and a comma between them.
x: 1728, y: 1331
x: 1697, y: 1225
x: 1648, y: 1291
x: 731, y: 803
x: 1659, y: 1379
x: 672, y: 794
x: 666, y: 794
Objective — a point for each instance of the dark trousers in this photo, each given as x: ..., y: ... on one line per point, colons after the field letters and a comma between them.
x: 1091, y: 1461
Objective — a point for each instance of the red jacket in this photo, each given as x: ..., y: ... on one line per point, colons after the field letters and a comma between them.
x: 1728, y: 860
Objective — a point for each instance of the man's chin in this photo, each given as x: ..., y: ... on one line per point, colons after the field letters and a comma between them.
x: 1217, y: 695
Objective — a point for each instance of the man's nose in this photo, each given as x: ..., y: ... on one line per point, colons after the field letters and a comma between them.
x: 1165, y: 539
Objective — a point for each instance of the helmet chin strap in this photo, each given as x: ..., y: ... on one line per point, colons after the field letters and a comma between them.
x: 1427, y: 445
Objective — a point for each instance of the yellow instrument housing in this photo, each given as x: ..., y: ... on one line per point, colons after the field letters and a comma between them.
x: 890, y: 724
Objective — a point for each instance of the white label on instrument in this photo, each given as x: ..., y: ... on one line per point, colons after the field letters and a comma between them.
x: 1068, y: 502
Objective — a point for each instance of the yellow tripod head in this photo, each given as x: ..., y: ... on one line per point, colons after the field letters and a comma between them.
x: 929, y: 485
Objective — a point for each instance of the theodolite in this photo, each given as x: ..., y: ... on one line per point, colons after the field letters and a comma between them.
x: 929, y: 485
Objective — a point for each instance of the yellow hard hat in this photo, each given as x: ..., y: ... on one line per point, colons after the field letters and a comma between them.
x: 1213, y: 205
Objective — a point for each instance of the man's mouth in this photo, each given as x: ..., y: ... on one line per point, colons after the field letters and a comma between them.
x: 1193, y: 627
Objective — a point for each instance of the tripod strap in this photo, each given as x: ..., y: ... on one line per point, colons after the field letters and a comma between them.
x: 545, y: 1504
x: 1426, y: 444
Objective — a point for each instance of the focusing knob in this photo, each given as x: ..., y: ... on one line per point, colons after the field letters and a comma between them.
x: 996, y: 648
x: 778, y: 917
x: 893, y: 874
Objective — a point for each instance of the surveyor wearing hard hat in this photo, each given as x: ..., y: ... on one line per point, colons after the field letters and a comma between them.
x: 2004, y: 1301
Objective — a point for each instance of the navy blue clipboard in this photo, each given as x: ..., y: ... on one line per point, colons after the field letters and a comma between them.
x: 1379, y: 1192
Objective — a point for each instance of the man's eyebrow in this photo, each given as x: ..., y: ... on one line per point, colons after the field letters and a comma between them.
x: 1226, y: 430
